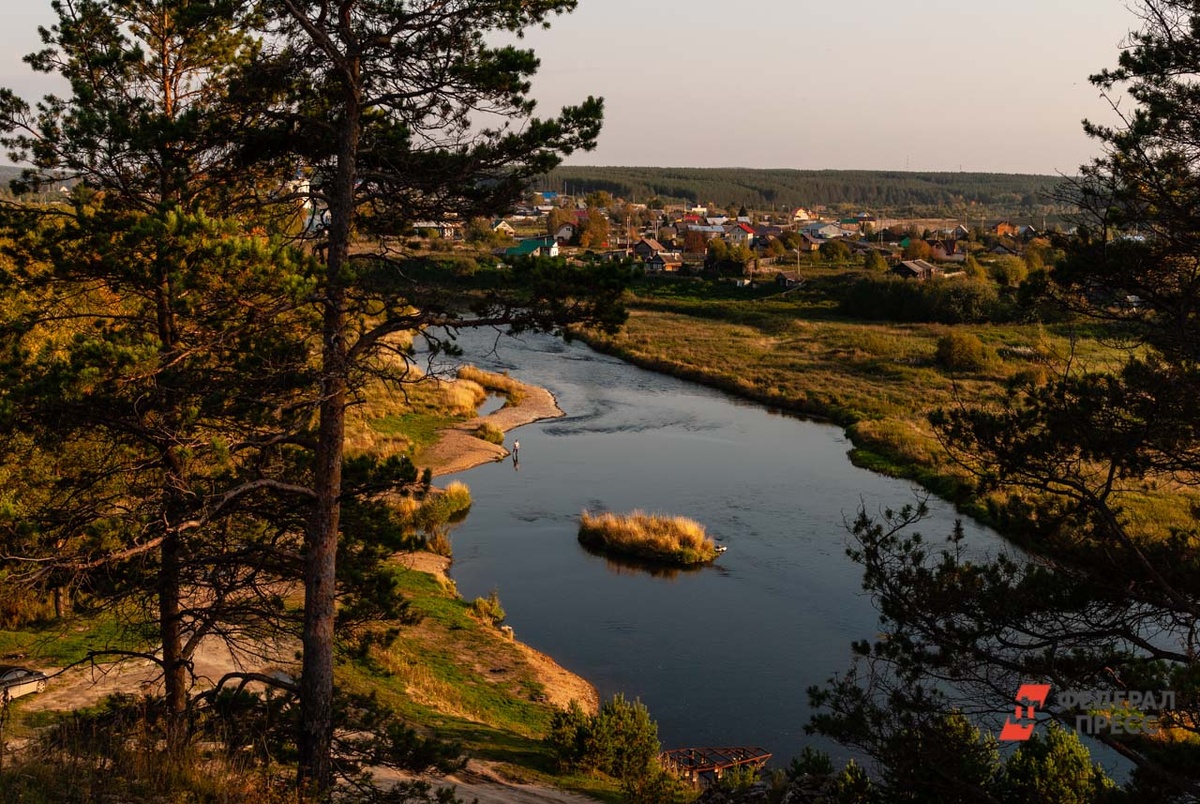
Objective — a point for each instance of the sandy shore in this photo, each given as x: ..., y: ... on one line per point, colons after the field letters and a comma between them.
x: 458, y: 449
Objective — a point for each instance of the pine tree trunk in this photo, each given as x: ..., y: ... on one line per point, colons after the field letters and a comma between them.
x: 316, y: 680
x: 174, y: 668
x: 315, y: 770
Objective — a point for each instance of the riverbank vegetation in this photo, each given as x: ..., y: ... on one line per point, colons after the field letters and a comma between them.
x: 620, y: 742
x: 878, y: 379
x: 490, y: 433
x: 512, y: 391
x: 649, y: 537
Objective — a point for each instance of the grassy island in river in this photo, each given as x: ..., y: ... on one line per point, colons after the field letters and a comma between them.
x: 649, y: 537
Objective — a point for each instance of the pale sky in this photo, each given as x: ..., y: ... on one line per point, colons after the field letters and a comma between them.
x: 876, y: 84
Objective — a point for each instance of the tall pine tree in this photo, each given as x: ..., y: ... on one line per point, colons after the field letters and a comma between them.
x: 404, y: 112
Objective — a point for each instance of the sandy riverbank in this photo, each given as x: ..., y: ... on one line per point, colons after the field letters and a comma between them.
x: 458, y: 449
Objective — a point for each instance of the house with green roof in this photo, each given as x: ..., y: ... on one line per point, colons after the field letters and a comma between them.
x: 534, y: 247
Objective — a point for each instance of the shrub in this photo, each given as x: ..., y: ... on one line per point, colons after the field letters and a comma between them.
x: 1056, y: 769
x: 488, y: 609
x: 961, y: 351
x: 490, y: 433
x: 621, y: 740
x: 875, y: 262
x: 944, y: 301
x: 738, y: 780
x: 1009, y: 271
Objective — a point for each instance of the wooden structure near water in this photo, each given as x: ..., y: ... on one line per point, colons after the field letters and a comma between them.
x: 706, y: 765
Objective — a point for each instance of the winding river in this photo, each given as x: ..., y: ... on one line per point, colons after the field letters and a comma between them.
x: 722, y: 656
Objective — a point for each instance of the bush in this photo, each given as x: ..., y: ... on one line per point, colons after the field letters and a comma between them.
x: 943, y: 301
x: 961, y: 351
x: 1009, y: 271
x: 620, y: 741
x: 488, y: 609
x: 1055, y: 769
x: 490, y: 433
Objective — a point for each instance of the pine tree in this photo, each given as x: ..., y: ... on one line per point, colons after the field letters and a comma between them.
x: 144, y: 336
x: 402, y: 113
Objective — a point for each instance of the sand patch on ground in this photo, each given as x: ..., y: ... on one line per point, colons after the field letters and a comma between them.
x: 458, y: 449
x: 85, y: 685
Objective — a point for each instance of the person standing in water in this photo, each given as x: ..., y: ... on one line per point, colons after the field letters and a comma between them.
x: 516, y: 448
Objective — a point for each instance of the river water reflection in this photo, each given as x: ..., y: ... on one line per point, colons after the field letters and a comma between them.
x: 721, y: 656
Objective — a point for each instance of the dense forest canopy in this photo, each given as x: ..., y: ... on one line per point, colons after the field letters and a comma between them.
x: 877, y: 191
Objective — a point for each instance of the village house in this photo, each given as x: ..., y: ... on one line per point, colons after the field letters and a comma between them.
x: 669, y: 262
x: 1005, y: 229
x: 503, y: 227
x: 788, y: 279
x: 917, y: 269
x: 824, y: 231
x: 447, y: 230
x: 647, y: 247
x: 741, y: 234
x: 565, y: 233
x: 534, y: 247
x: 946, y: 250
x: 763, y: 235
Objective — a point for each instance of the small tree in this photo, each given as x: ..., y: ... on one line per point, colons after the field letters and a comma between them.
x: 973, y: 269
x: 917, y: 250
x: 835, y: 251
x: 1055, y: 769
x: 1009, y: 271
x: 875, y: 262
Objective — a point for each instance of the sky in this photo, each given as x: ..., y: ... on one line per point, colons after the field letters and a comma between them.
x: 876, y: 84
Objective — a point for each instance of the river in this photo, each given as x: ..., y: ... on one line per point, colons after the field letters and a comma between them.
x: 721, y: 656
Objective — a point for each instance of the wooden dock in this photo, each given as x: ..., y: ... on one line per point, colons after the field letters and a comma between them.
x: 706, y: 765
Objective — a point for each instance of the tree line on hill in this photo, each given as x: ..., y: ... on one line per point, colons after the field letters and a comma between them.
x: 893, y: 192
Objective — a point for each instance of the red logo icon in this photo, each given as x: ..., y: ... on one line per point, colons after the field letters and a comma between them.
x: 1033, y: 696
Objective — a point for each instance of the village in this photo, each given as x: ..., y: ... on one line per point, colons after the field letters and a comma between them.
x: 745, y: 247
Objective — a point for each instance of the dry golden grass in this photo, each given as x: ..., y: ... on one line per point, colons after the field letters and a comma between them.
x: 652, y: 537
x: 400, y: 419
x: 490, y: 433
x: 501, y: 384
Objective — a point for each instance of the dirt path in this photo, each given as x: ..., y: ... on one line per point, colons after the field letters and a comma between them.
x: 458, y: 450
x: 85, y: 685
x: 482, y: 781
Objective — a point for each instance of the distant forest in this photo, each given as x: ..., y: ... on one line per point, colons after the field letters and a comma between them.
x: 963, y: 195
x: 890, y: 192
